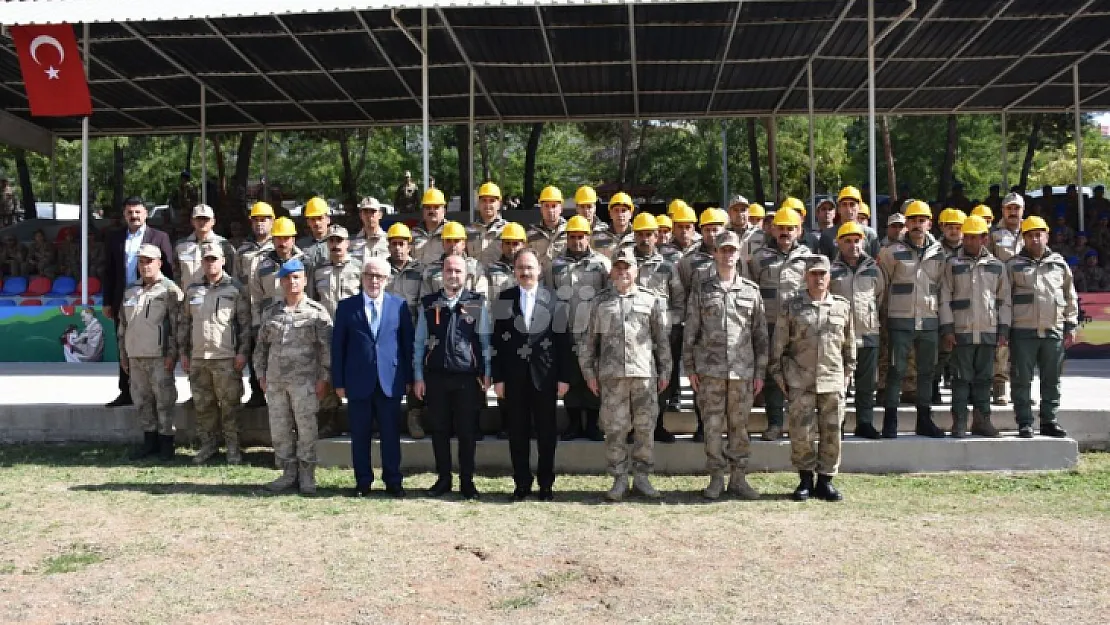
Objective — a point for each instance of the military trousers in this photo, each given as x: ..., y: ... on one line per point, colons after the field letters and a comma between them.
x: 726, y: 406
x: 972, y: 369
x: 217, y: 393
x: 923, y: 344
x: 154, y: 392
x: 628, y: 405
x: 867, y: 360
x: 292, y: 406
x: 773, y: 398
x: 814, y: 425
x: 1046, y: 356
x: 1002, y: 363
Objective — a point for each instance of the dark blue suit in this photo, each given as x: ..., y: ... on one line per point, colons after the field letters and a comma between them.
x: 373, y: 373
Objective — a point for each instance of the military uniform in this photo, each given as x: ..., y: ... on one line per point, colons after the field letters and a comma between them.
x: 864, y: 286
x: 292, y: 354
x: 661, y: 276
x: 247, y: 256
x: 427, y: 246
x: 1091, y: 279
x: 264, y: 286
x: 1045, y: 310
x: 332, y: 282
x: 213, y: 329
x: 187, y: 258
x: 499, y: 277
x: 12, y: 257
x: 365, y: 246
x: 975, y: 308
x: 314, y: 252
x: 41, y: 260
x: 751, y: 240
x: 483, y: 241
x: 405, y: 282
x: 1005, y: 244
x: 146, y: 342
x: 608, y: 243
x: 548, y: 243
x: 626, y: 348
x: 406, y: 199
x: 813, y: 353
x: 779, y: 275
x: 698, y: 264
x: 725, y: 344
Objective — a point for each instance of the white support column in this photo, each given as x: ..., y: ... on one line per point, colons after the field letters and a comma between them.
x: 1078, y: 142
x: 265, y: 195
x: 84, y: 183
x: 871, y: 104
x: 470, y: 153
x: 424, y: 93
x: 724, y: 164
x: 1005, y: 159
x: 773, y: 153
x: 54, y: 172
x: 203, y: 147
x: 812, y: 150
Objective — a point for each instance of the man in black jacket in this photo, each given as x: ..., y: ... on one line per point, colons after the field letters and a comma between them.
x: 531, y: 369
x: 122, y: 268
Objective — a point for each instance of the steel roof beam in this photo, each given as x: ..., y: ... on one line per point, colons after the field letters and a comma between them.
x: 724, y: 57
x: 551, y: 60
x: 816, y: 51
x: 320, y: 66
x: 466, y: 59
x: 388, y: 61
x: 1053, y: 77
x: 632, y: 56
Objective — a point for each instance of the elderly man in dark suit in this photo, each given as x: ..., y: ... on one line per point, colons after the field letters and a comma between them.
x: 371, y: 365
x: 122, y: 268
x: 531, y: 368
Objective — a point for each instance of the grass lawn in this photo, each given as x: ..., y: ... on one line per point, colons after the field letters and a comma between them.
x: 87, y: 537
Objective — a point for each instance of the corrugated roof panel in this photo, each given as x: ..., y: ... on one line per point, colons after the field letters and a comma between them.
x: 105, y: 30
x: 741, y: 102
x: 579, y: 15
x: 274, y: 54
x: 273, y: 113
x: 244, y: 87
x: 764, y: 41
x: 719, y: 13
x: 120, y: 94
x: 518, y: 80
x: 939, y: 39
x: 596, y: 78
x: 373, y: 84
x: 441, y: 80
x: 340, y: 111
x: 223, y: 114
x: 168, y: 27
x: 505, y: 17
x: 107, y: 118
x: 677, y: 77
x: 838, y: 73
x: 1083, y: 34
x: 1095, y: 69
x: 946, y: 98
x: 674, y: 104
x: 962, y: 9
x: 679, y: 43
x: 1050, y: 96
x: 503, y: 45
x: 1034, y: 8
x: 132, y: 58
x: 9, y: 64
x: 400, y: 110
x: 308, y: 86
x: 177, y: 91
x: 787, y: 10
x: 996, y: 97
x: 1036, y: 69
x: 203, y: 55
x: 1020, y: 36
x: 529, y: 106
x: 904, y: 73
x: 850, y: 39
x: 766, y: 74
x: 159, y: 117
x: 247, y: 25
x: 593, y: 106
x: 971, y: 72
x: 458, y: 108
x: 343, y: 50
x: 310, y: 22
x: 588, y: 45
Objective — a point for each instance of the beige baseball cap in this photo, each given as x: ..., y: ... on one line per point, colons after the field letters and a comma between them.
x: 150, y: 251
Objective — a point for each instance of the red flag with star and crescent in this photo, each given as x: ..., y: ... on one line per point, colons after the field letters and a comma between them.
x: 52, y: 70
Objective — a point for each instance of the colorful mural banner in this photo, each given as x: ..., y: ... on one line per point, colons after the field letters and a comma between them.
x: 1094, y: 328
x: 43, y: 333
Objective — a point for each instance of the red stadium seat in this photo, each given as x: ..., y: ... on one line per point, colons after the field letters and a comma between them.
x: 30, y: 302
x: 38, y: 286
x: 94, y: 286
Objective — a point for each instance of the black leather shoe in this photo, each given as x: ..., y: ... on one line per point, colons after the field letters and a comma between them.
x: 440, y: 488
x: 805, y: 486
x: 361, y: 491
x: 662, y: 435
x: 1053, y: 429
x: 926, y: 427
x: 397, y: 491
x: 468, y: 491
x: 124, y: 399
x: 546, y: 495
x: 825, y: 490
x: 868, y: 431
x: 1025, y: 431
x: 573, y: 431
x: 890, y: 423
x: 520, y: 494
x: 699, y: 434
x: 594, y: 434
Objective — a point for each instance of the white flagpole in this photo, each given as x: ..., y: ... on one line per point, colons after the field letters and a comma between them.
x: 85, y: 186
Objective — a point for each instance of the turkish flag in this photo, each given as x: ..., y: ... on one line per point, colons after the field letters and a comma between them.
x: 52, y: 70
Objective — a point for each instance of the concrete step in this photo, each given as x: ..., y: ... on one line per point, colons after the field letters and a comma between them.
x: 906, y: 454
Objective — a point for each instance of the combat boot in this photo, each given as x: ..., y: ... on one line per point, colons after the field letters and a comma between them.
x: 234, y: 453
x: 925, y: 425
x: 287, y: 480
x: 415, y: 430
x: 981, y: 425
x: 998, y: 393
x: 825, y: 490
x: 307, y: 478
x: 593, y: 432
x: 772, y: 433
x: 165, y: 447
x: 866, y: 430
x: 642, y: 485
x: 716, y: 485
x: 620, y: 487
x: 149, y: 447
x: 890, y: 423
x: 959, y: 425
x: 738, y: 485
x: 209, y: 445
x: 1053, y: 429
x: 805, y: 486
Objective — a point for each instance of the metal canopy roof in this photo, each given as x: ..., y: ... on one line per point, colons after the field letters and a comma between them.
x: 329, y: 65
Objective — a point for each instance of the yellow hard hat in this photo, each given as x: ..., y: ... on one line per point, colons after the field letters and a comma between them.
x: 850, y: 227
x: 514, y: 232
x: 644, y: 221
x: 578, y: 224
x: 489, y: 190
x: 621, y: 199
x: 551, y: 194
x: 262, y: 209
x: 433, y: 197
x: 849, y: 192
x: 283, y: 227
x: 795, y: 204
x: 675, y: 204
x: 453, y: 231
x: 316, y: 207
x: 664, y: 222
x: 1033, y: 223
x: 711, y: 216
x: 974, y: 225
x: 917, y: 208
x: 399, y: 231
x: 757, y: 210
x: 864, y: 209
x: 787, y: 218
x: 983, y: 211
x: 951, y: 216
x: 585, y: 195
x: 684, y: 215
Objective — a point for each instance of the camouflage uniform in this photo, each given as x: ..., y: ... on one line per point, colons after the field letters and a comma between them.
x: 725, y: 344
x: 751, y: 240
x: 213, y: 328
x: 146, y: 340
x: 187, y: 259
x: 610, y: 242
x: 97, y: 260
x: 406, y: 199
x: 69, y: 259
x: 332, y: 282
x: 499, y: 277
x: 1005, y: 244
x: 474, y: 281
x: 577, y: 281
x: 427, y: 247
x: 548, y: 243
x: 626, y: 349
x: 7, y: 206
x: 41, y: 260
x: 697, y: 265
x: 483, y: 241
x: 1091, y: 279
x: 314, y: 252
x: 405, y: 282
x: 292, y: 354
x: 247, y: 257
x: 864, y: 286
x: 264, y: 285
x: 661, y: 276
x: 365, y: 246
x: 813, y: 353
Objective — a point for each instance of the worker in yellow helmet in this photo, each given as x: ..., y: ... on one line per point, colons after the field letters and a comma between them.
x: 751, y: 237
x: 1006, y: 243
x: 863, y: 217
x: 427, y: 246
x: 453, y: 237
x: 684, y: 232
x: 247, y: 256
x: 666, y: 226
x: 548, y: 237
x: 848, y: 203
x: 264, y: 286
x: 406, y: 277
x: 620, y: 232
x: 314, y: 245
x: 756, y: 215
x: 951, y: 220
x: 585, y: 204
x: 484, y: 235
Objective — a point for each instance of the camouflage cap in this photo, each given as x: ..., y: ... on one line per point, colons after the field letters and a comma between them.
x: 211, y: 250
x: 150, y: 251
x: 338, y: 231
x: 627, y: 256
x: 817, y: 263
x: 203, y: 210
x: 896, y: 218
x: 728, y: 238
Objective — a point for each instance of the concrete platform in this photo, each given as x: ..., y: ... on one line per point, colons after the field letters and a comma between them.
x: 906, y: 454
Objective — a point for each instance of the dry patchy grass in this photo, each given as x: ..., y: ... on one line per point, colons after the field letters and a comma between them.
x: 87, y: 537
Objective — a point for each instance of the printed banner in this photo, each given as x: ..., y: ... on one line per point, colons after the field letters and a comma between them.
x: 56, y: 334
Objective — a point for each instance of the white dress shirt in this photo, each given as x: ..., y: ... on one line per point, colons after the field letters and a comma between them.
x: 527, y: 305
x: 373, y: 320
x: 131, y: 247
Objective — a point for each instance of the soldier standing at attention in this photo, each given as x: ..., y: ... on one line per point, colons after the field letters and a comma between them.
x: 454, y: 244
x: 625, y: 356
x: 404, y: 201
x: 813, y: 355
x: 483, y: 237
x: 187, y: 251
x: 577, y: 276
x: 779, y: 268
x: 370, y: 242
x: 405, y: 279
x: 315, y: 246
x: 620, y: 234
x: 246, y: 264
x: 1045, y: 321
x: 974, y: 317
x: 427, y: 246
x: 585, y: 204
x: 335, y: 279
x: 214, y: 339
x: 725, y: 352
x: 684, y: 236
x: 265, y: 286
x: 751, y: 237
x: 857, y: 278
x: 549, y: 237
x: 1006, y: 242
x: 666, y: 226
x: 148, y: 350
x: 293, y: 358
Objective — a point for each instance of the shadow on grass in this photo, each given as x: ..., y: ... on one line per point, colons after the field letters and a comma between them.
x: 112, y: 455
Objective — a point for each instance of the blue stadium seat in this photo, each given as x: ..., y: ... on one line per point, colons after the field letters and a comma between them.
x: 5, y: 301
x: 14, y: 285
x: 63, y: 285
x: 56, y: 302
